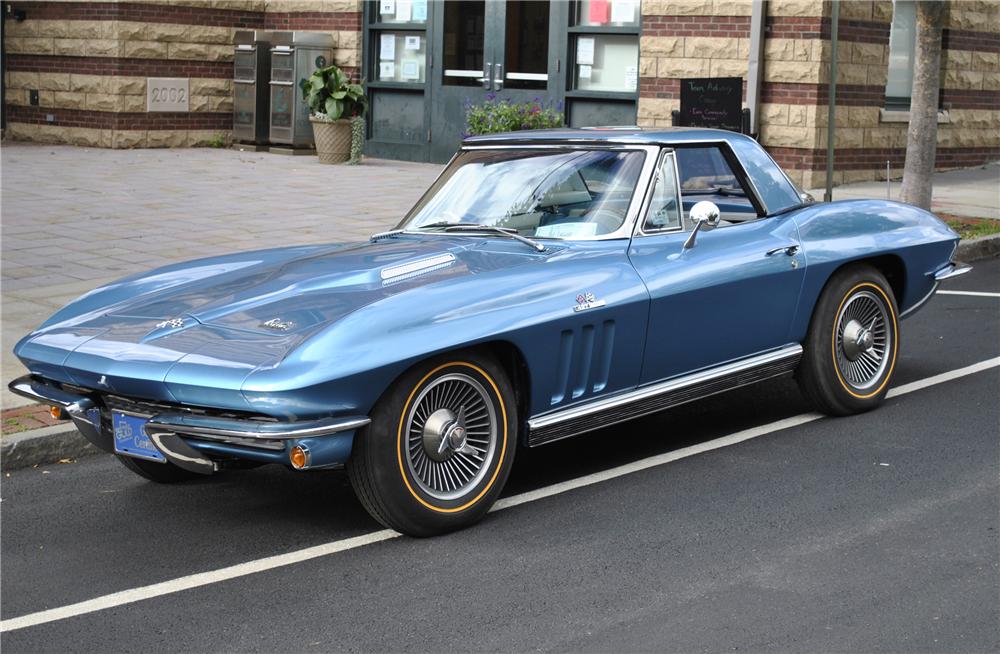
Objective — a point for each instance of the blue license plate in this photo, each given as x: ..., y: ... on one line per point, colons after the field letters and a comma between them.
x: 131, y: 440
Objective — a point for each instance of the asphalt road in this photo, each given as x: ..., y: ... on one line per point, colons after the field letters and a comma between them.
x: 876, y: 532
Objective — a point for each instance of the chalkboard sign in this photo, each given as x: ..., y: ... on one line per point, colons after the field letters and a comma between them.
x: 712, y: 102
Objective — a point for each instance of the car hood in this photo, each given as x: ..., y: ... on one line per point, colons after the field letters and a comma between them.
x: 236, y: 314
x: 295, y: 295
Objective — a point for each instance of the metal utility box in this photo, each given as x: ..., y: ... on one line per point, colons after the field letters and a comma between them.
x: 251, y: 96
x: 294, y: 57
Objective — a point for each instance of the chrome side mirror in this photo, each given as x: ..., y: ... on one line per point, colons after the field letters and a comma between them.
x: 703, y: 213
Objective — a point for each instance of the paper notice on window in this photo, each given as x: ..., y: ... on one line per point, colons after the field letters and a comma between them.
x: 386, y: 70
x: 419, y: 10
x: 411, y: 43
x: 387, y: 7
x: 585, y: 72
x: 623, y: 11
x: 403, y: 10
x: 410, y: 69
x: 631, y: 78
x: 388, y: 47
x: 566, y: 230
x: 598, y: 12
x: 585, y: 50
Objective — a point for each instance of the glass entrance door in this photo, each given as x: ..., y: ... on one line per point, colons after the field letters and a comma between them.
x: 492, y: 48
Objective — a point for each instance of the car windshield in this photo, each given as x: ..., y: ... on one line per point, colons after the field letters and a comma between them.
x: 537, y: 193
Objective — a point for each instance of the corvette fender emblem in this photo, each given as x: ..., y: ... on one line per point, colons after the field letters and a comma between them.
x: 175, y: 323
x: 586, y: 301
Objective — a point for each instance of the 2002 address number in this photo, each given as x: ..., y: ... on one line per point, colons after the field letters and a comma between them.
x: 167, y: 94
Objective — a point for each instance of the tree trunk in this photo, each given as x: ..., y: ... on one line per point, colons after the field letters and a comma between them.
x: 921, y: 137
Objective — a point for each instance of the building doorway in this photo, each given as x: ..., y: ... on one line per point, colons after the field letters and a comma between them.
x: 427, y: 60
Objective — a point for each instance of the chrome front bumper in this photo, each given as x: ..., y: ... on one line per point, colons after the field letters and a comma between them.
x: 951, y: 271
x: 181, y: 437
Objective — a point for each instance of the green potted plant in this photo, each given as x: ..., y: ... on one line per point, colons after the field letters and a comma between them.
x: 334, y: 102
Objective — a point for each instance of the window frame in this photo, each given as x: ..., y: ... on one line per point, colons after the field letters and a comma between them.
x: 756, y: 201
x: 573, y: 32
x: 636, y: 208
x: 679, y: 227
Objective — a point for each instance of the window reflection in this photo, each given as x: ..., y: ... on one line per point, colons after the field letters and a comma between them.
x: 572, y: 194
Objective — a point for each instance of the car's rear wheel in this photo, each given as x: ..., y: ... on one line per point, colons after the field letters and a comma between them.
x: 440, y: 446
x: 850, y: 351
x: 162, y: 473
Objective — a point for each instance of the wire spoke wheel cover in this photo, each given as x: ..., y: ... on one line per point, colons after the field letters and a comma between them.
x: 451, y: 434
x: 863, y: 339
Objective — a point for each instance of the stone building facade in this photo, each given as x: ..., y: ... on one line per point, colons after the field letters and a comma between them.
x: 712, y: 39
x: 89, y: 62
x: 76, y: 72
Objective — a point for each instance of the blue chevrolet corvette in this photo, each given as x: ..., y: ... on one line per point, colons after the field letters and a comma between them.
x: 548, y: 284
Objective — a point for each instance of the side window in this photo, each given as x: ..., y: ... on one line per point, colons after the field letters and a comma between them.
x: 704, y: 169
x: 705, y: 174
x: 665, y: 207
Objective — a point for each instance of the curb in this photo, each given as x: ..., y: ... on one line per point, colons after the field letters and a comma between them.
x: 983, y: 247
x: 49, y: 444
x: 44, y: 446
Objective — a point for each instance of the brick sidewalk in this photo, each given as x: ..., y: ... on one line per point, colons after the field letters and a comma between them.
x: 75, y: 218
x: 25, y: 418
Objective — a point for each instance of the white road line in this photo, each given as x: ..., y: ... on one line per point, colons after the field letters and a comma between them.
x: 271, y: 562
x: 972, y: 293
x: 943, y: 377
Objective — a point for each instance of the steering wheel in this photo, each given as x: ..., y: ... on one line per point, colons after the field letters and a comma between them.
x: 608, y: 220
x: 451, y: 216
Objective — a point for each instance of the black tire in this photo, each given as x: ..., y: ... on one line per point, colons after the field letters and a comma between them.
x: 394, y: 466
x: 161, y: 473
x: 850, y: 351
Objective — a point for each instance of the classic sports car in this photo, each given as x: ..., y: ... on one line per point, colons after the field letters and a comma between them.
x: 549, y: 283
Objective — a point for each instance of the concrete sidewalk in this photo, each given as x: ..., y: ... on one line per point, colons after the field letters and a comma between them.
x: 972, y: 193
x: 75, y: 218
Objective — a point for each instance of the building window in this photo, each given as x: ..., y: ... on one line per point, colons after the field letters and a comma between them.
x: 607, y: 62
x: 603, y: 71
x: 902, y: 39
x: 401, y: 57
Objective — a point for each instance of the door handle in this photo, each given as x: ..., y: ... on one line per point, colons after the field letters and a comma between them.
x: 790, y: 250
x: 497, y: 77
x: 485, y: 80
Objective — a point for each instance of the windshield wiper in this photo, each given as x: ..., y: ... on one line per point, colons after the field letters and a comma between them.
x: 381, y: 235
x: 473, y: 227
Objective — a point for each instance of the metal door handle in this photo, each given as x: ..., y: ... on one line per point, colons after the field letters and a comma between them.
x: 485, y: 79
x: 790, y: 250
x: 498, y: 77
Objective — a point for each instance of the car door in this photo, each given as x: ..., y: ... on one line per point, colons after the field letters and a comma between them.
x: 734, y: 292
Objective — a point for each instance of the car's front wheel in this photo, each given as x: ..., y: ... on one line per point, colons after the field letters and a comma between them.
x: 850, y: 352
x: 440, y: 446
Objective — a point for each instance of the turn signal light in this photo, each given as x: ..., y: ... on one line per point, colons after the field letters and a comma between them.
x: 298, y: 457
x: 57, y: 413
